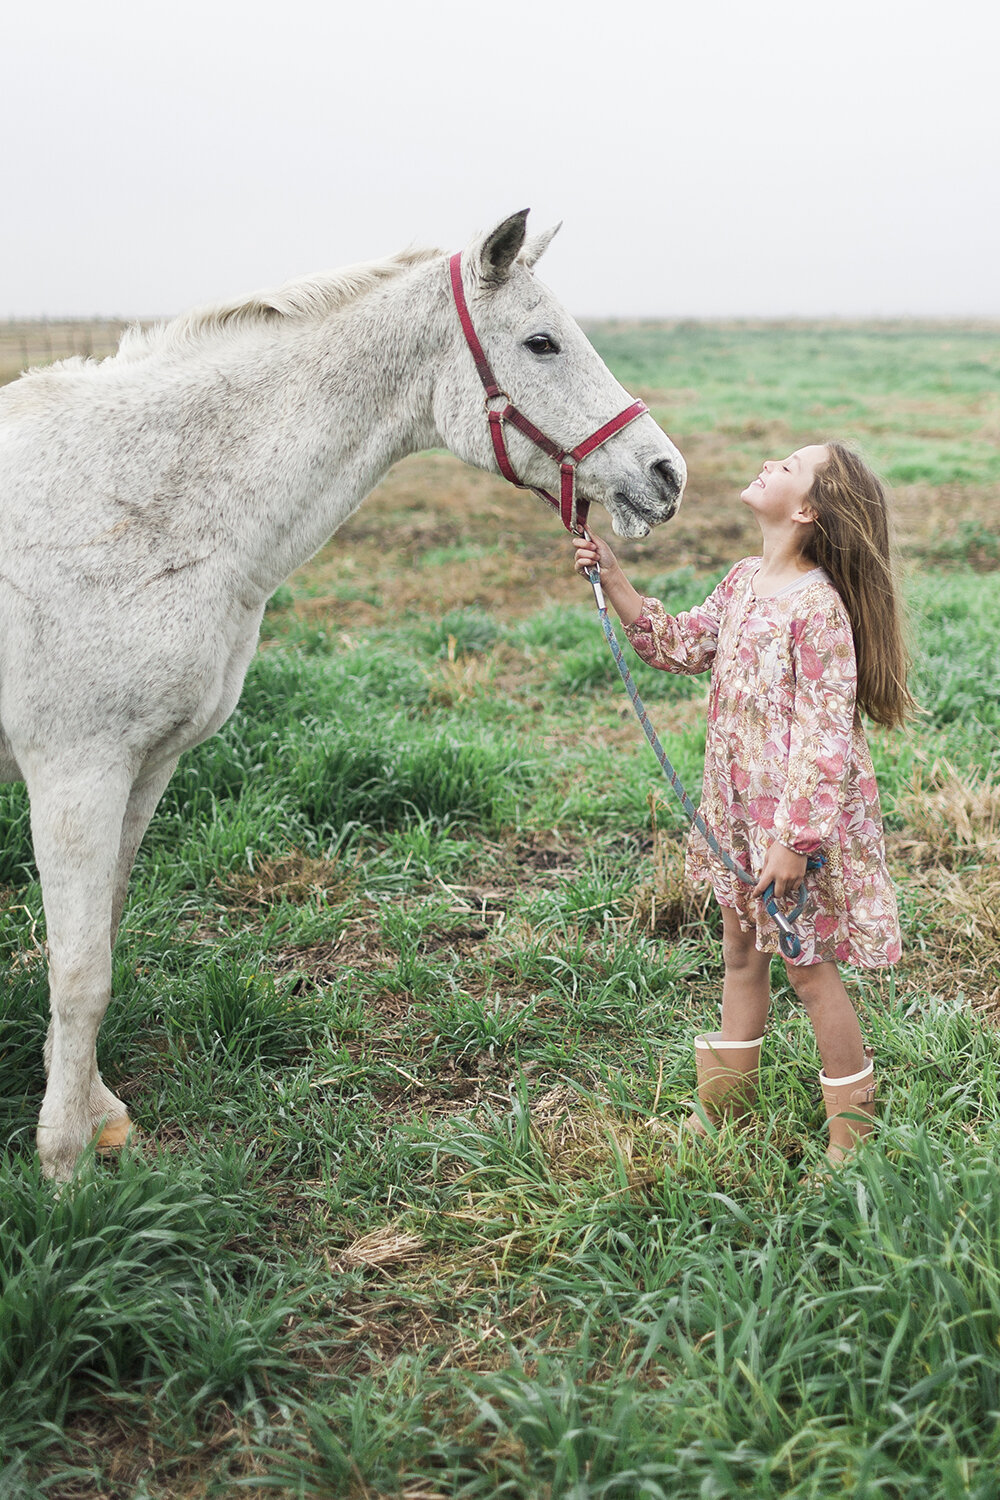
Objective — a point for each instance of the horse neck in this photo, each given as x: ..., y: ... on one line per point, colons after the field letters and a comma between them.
x: 324, y: 411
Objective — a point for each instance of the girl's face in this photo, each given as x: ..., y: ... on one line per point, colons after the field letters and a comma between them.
x: 780, y: 489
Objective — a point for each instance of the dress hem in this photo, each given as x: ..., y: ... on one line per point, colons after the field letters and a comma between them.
x: 773, y: 947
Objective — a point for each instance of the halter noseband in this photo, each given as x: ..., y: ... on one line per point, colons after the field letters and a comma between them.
x: 574, y: 515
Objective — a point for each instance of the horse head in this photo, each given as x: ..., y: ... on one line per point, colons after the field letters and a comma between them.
x: 547, y: 370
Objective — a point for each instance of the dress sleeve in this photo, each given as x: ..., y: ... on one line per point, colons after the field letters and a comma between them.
x: 685, y: 642
x: 822, y: 728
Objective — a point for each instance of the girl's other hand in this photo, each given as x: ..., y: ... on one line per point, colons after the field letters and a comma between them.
x: 591, y: 552
x: 786, y: 868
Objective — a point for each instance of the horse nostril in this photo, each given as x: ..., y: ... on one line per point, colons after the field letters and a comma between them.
x: 668, y: 481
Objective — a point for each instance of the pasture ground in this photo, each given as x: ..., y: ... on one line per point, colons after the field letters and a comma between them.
x: 404, y: 1004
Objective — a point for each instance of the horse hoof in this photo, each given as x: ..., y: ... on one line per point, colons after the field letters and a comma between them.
x: 116, y: 1133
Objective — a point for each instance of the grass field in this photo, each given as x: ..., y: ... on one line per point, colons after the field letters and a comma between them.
x: 404, y: 1003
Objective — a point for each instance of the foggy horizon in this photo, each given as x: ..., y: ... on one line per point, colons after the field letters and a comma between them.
x: 717, y: 165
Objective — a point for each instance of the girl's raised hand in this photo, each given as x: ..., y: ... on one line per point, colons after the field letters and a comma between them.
x: 591, y: 551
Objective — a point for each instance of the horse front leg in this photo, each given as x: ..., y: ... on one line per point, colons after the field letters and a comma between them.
x: 77, y: 820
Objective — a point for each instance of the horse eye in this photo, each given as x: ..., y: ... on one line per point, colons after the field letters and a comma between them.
x: 540, y: 343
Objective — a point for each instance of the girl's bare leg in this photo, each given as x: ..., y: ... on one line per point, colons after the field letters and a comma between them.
x: 828, y: 1006
x: 746, y: 988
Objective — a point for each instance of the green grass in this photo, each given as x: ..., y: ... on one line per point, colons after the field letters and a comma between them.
x: 408, y: 1039
x: 696, y: 1326
x: 923, y: 401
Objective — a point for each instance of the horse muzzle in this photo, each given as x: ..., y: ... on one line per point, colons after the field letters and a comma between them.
x: 636, y: 508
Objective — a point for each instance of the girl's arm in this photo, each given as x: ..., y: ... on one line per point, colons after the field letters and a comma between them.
x: 819, y: 755
x: 676, y: 643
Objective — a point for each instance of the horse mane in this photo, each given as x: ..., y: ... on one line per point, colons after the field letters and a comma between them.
x: 307, y: 299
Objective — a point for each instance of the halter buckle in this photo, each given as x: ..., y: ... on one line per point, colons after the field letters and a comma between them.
x: 496, y: 396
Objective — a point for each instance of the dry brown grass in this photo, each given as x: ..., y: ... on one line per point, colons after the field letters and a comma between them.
x: 294, y: 877
x: 456, y: 678
x: 958, y: 951
x: 583, y: 1139
x: 224, y: 1456
x: 26, y: 344
x: 948, y: 853
x: 388, y: 1245
x: 668, y: 903
x: 952, y: 818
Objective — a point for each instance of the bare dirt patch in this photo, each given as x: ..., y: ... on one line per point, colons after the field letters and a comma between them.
x: 435, y: 530
x: 437, y: 533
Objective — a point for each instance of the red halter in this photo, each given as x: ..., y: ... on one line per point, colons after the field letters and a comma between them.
x: 574, y: 516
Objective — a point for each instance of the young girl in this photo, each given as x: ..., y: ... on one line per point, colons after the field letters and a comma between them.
x: 799, y: 641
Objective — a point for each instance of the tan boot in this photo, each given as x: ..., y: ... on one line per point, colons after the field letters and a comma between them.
x: 850, y: 1109
x: 727, y: 1079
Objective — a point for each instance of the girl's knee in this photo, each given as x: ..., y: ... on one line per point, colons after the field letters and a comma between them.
x: 810, y: 981
x: 739, y: 950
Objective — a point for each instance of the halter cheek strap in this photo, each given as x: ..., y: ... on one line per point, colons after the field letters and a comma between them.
x: 572, y: 512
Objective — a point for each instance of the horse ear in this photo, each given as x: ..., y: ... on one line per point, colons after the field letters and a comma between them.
x: 499, y: 250
x: 536, y: 246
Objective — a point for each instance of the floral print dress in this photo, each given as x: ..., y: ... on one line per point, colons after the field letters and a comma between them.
x: 785, y: 758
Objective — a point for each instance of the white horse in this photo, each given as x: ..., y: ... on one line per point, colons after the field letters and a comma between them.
x: 152, y: 502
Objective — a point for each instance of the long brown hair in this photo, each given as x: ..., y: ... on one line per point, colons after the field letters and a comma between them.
x: 850, y: 538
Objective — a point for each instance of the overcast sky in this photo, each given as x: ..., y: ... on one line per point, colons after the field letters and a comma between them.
x: 707, y: 158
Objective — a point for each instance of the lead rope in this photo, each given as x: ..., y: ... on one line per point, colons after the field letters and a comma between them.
x: 788, y: 938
